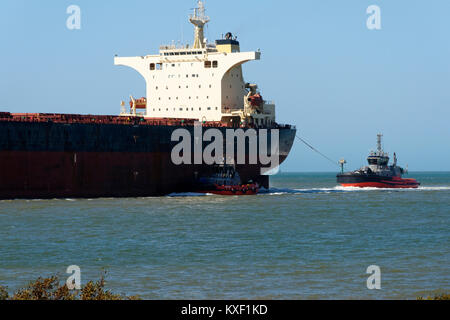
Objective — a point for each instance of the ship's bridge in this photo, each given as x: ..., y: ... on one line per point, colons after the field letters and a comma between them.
x: 203, y: 81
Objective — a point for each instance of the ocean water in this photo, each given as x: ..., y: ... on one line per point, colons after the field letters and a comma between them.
x: 305, y: 238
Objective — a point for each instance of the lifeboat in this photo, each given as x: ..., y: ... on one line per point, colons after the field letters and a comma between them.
x: 256, y: 100
x: 141, y: 103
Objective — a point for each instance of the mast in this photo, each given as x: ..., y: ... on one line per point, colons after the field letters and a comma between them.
x: 379, y: 148
x: 199, y: 19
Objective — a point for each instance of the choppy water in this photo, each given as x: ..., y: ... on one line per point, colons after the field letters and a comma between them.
x: 305, y: 238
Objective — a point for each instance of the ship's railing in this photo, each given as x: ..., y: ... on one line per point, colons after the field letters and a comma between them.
x: 125, y: 120
x: 92, y: 119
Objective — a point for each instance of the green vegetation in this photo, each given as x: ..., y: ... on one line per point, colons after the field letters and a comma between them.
x: 440, y: 296
x: 51, y: 289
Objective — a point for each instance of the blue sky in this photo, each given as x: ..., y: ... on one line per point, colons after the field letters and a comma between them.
x: 339, y: 82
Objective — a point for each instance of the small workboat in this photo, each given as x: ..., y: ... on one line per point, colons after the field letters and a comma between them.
x: 378, y: 174
x: 225, y: 180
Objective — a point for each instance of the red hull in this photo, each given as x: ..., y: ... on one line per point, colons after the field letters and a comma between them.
x: 48, y: 175
x: 394, y: 184
x: 245, y: 190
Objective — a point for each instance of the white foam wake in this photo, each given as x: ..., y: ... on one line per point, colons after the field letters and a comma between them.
x: 189, y: 194
x: 341, y: 189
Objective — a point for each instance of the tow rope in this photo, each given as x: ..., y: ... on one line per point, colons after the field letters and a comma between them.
x: 314, y: 149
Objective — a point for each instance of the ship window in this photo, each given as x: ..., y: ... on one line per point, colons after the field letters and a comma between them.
x: 215, y: 64
x: 177, y: 53
x: 210, y: 86
x: 193, y: 76
x: 199, y: 52
x: 181, y: 109
x: 171, y: 53
x: 187, y: 76
x: 209, y: 108
x: 200, y: 86
x: 207, y: 64
x: 173, y: 64
x: 187, y: 109
x: 199, y: 109
x: 159, y: 66
x: 217, y: 108
x: 207, y: 97
x: 152, y: 66
x: 156, y: 88
x: 183, y: 53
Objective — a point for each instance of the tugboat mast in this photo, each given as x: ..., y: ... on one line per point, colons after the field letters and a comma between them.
x: 379, y: 148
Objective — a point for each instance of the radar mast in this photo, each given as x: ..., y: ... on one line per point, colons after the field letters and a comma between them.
x: 199, y: 19
x: 379, y: 148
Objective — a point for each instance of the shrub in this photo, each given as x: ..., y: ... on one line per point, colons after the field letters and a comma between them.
x: 51, y: 289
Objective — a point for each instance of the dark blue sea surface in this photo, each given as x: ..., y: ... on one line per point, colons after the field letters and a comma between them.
x: 305, y: 238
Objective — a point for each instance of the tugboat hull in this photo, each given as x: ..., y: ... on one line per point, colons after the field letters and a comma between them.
x: 238, y: 190
x: 374, y: 181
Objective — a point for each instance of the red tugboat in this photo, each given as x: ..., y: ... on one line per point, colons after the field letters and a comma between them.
x: 378, y: 174
x: 225, y: 180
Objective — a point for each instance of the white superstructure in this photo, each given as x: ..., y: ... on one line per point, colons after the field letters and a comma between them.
x: 203, y: 81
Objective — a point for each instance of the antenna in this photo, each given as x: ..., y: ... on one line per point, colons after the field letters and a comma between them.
x: 199, y: 19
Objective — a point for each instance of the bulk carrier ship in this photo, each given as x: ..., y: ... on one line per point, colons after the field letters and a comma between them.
x: 128, y: 155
